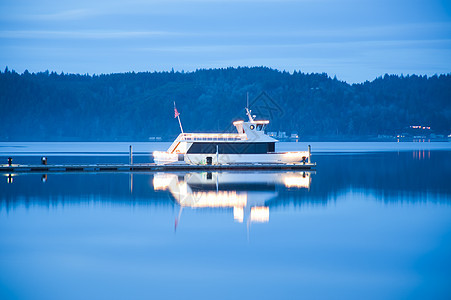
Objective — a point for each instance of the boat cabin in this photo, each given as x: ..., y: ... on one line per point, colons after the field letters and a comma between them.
x: 249, y: 139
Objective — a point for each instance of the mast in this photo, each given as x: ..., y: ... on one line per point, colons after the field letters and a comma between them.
x: 248, y: 111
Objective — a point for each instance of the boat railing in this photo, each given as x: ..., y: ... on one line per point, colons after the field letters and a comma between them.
x: 211, y: 137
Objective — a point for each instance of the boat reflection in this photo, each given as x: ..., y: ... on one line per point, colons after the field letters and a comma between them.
x: 247, y: 193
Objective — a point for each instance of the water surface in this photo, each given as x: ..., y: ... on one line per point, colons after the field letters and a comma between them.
x: 363, y: 225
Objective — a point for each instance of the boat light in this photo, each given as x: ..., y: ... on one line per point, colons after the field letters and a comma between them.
x: 162, y: 181
x: 216, y: 199
x: 164, y: 157
x: 260, y: 214
x: 299, y: 154
x: 297, y: 181
x: 238, y: 214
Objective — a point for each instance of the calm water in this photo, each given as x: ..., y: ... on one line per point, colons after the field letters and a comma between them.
x: 364, y: 225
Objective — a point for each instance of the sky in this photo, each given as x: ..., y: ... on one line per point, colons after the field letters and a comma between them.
x: 355, y: 40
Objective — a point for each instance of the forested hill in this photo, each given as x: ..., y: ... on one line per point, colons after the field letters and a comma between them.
x: 135, y: 106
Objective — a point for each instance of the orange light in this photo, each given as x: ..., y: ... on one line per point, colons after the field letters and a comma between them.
x: 297, y: 181
x: 238, y: 214
x: 162, y: 181
x: 260, y: 214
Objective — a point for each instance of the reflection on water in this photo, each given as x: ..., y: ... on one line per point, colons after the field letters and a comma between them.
x: 373, y: 225
x: 415, y: 176
x: 421, y: 154
x: 247, y: 193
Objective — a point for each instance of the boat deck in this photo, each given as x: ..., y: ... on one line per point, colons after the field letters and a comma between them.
x: 148, y: 167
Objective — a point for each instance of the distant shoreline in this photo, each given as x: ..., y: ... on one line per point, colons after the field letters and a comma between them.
x: 146, y: 148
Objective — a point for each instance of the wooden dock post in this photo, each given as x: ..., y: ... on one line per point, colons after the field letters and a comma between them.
x: 309, y: 153
x: 130, y: 154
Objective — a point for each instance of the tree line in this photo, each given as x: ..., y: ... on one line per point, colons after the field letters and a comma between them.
x: 47, y: 106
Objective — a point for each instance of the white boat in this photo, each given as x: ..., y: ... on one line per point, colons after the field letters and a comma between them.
x: 250, y: 145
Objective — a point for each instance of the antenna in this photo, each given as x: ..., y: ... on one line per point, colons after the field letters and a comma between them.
x: 247, y: 99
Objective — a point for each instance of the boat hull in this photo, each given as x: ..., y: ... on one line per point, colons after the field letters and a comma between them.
x: 267, y: 158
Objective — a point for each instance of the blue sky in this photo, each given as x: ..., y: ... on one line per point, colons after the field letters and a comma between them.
x: 356, y: 40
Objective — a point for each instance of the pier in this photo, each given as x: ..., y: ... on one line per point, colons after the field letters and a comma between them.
x: 16, y: 168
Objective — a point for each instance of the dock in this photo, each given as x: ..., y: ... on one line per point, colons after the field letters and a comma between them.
x: 152, y: 167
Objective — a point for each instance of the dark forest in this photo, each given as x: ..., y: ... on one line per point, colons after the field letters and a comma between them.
x: 47, y: 106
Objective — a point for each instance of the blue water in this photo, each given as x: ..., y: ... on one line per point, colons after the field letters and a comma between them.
x: 364, y: 225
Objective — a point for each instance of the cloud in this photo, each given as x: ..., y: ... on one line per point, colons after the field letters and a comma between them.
x: 75, y: 14
x: 375, y: 44
x: 424, y: 31
x: 51, y: 34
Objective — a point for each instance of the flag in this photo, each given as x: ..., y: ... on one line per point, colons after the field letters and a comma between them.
x: 176, y: 113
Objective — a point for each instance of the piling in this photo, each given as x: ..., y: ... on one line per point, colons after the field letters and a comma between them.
x: 130, y: 154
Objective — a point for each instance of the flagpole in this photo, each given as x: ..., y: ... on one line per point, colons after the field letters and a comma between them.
x: 177, y: 114
x: 180, y: 123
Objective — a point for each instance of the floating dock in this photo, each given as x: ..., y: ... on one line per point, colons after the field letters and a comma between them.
x: 15, y: 168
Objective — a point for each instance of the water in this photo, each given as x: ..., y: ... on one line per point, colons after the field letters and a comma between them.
x: 364, y: 225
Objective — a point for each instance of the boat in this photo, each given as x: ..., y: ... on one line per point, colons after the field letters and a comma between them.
x: 250, y: 145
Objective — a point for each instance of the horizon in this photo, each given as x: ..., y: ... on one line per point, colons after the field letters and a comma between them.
x: 7, y: 68
x: 356, y: 41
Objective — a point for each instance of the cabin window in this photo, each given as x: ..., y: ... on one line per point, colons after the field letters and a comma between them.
x: 271, y: 147
x: 239, y: 128
x: 261, y: 127
x: 232, y: 148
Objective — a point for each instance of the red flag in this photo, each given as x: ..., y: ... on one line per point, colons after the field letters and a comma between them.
x: 176, y: 113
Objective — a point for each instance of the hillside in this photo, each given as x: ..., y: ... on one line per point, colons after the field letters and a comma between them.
x: 135, y: 106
